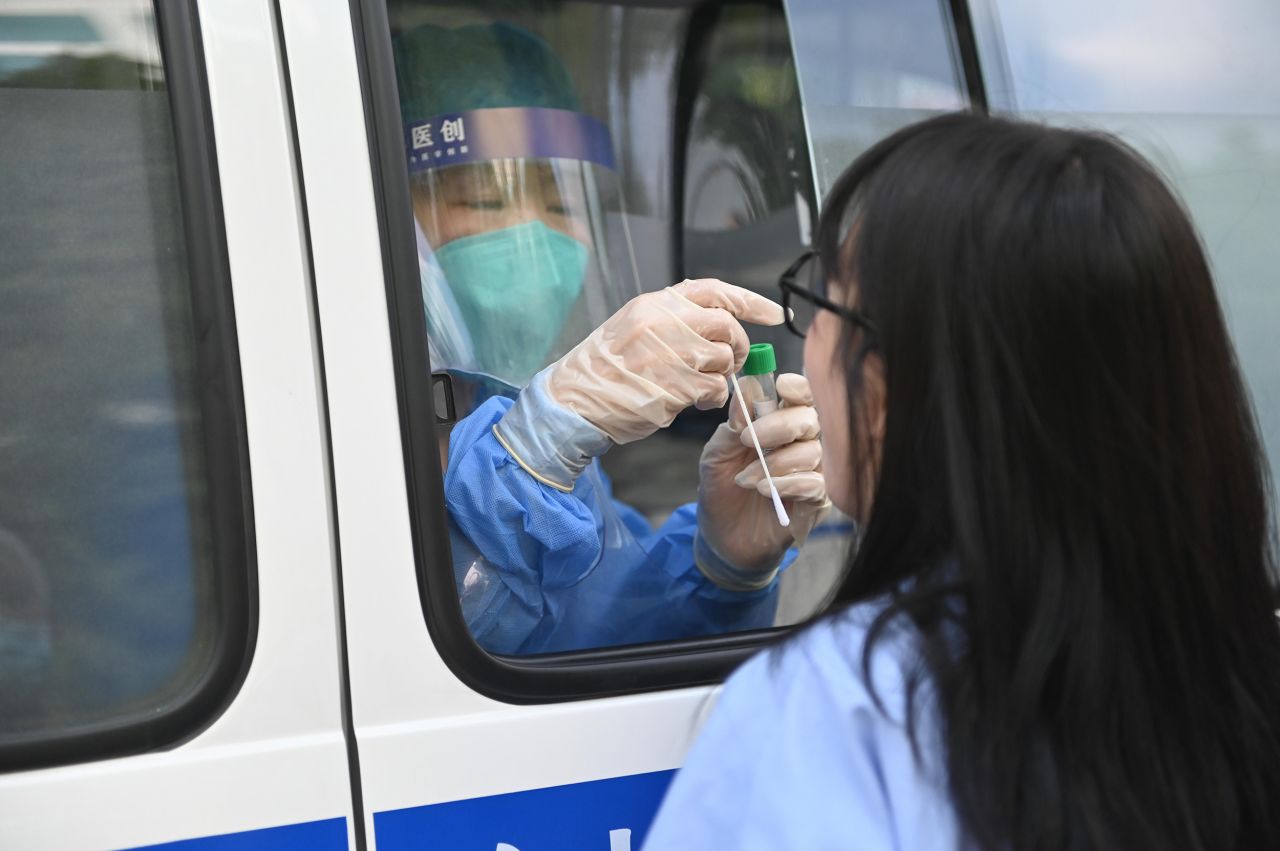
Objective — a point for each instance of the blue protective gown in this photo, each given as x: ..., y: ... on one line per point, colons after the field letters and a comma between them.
x: 542, y: 570
x: 797, y: 755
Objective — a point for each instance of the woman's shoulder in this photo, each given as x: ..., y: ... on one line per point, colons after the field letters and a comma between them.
x: 827, y: 664
x: 814, y: 748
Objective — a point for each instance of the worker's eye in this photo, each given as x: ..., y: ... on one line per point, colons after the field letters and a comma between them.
x: 483, y: 204
x: 558, y: 209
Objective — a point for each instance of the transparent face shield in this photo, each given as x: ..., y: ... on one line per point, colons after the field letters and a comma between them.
x: 521, y: 256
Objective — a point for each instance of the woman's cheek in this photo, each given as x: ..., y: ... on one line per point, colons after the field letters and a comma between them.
x: 836, y: 459
x: 829, y: 385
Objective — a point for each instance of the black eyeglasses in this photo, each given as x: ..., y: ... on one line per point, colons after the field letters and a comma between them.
x: 804, y: 281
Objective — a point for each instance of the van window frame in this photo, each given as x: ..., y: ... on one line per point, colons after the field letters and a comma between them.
x: 224, y: 438
x: 521, y: 680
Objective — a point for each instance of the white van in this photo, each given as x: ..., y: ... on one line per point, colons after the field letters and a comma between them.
x: 228, y: 618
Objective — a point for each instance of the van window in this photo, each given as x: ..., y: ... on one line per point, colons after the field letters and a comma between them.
x: 691, y: 160
x: 112, y: 604
x: 1193, y: 88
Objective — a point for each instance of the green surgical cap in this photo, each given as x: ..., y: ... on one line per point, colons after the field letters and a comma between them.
x: 480, y: 66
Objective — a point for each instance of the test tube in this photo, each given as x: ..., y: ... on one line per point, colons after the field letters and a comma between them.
x: 758, y: 389
x: 757, y: 383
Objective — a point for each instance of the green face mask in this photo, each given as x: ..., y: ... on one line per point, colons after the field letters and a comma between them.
x: 514, y: 287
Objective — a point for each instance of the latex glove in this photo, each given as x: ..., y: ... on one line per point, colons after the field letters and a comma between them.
x: 662, y: 352
x: 740, y: 542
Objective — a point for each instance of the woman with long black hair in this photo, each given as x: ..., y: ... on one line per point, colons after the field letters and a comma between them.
x: 1058, y: 631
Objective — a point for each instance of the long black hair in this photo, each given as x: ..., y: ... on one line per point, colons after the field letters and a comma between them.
x: 1071, y: 503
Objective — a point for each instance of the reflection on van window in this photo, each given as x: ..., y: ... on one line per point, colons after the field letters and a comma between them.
x: 538, y: 141
x: 66, y: 29
x: 110, y: 44
x: 1193, y: 87
x: 867, y: 68
x: 105, y: 586
x: 1137, y: 56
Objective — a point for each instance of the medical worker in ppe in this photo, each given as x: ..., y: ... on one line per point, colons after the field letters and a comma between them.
x: 521, y: 237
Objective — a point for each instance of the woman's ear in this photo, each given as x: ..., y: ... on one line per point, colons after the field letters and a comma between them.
x: 875, y: 398
x: 872, y: 407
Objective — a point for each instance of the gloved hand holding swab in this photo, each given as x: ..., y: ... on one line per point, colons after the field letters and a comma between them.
x: 778, y: 509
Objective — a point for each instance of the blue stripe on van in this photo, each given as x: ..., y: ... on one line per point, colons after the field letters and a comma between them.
x: 609, y: 815
x: 327, y: 835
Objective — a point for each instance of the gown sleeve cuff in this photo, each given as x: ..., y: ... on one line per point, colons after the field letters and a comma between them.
x: 723, y: 574
x: 552, y: 443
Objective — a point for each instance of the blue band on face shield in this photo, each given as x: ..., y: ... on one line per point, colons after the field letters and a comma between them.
x: 507, y: 132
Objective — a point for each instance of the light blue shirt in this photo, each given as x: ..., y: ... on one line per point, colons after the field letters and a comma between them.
x: 796, y: 755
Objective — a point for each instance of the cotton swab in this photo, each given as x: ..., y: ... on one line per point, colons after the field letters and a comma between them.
x: 783, y: 519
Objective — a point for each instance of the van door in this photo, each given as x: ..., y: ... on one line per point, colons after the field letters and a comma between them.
x: 169, y: 637
x: 460, y: 746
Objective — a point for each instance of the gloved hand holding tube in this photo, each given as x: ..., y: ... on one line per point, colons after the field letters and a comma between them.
x: 740, y: 541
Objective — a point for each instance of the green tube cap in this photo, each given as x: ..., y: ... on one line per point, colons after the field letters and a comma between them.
x: 760, y: 360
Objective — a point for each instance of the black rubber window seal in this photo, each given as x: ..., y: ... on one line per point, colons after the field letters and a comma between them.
x: 966, y: 46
